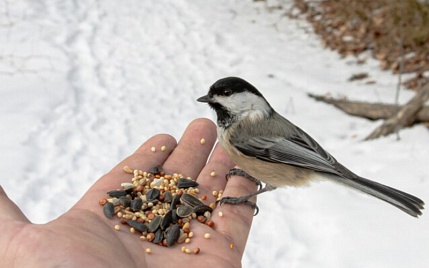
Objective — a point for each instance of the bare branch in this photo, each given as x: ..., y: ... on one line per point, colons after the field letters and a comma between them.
x: 404, y: 117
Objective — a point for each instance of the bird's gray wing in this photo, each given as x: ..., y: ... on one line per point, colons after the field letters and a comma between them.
x: 294, y: 151
x: 299, y: 149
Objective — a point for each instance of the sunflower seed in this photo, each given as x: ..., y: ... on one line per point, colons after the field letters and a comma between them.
x: 201, y: 210
x: 152, y: 194
x: 184, y: 211
x: 159, y: 236
x: 156, y: 170
x: 185, y: 183
x: 136, y: 204
x: 168, y: 197
x: 175, y: 201
x: 166, y: 220
x: 125, y: 201
x: 174, y: 217
x: 190, y: 200
x: 117, y: 193
x: 109, y: 210
x: 172, y: 235
x: 128, y: 186
x: 139, y: 226
x: 154, y: 224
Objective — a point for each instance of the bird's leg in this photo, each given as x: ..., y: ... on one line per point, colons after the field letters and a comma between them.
x: 242, y: 173
x: 245, y: 198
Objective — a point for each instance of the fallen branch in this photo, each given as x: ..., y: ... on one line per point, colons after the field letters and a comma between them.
x: 371, y: 111
x: 396, y: 117
x: 404, y: 117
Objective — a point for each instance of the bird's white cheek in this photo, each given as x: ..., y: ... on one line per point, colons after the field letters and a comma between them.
x: 254, y: 115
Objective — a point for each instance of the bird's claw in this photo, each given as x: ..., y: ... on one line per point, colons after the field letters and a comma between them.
x: 239, y: 200
x: 242, y: 173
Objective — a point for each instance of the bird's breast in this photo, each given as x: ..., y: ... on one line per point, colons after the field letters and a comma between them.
x: 275, y: 174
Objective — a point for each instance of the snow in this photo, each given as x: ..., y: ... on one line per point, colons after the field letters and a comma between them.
x: 83, y: 83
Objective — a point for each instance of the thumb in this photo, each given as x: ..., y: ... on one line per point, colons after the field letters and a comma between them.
x: 9, y: 211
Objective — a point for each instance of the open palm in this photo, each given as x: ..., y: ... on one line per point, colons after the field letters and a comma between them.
x: 84, y: 237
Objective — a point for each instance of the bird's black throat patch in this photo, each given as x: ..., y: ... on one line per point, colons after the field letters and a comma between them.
x: 224, y: 117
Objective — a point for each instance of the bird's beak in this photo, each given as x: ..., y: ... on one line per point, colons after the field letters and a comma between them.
x: 205, y: 98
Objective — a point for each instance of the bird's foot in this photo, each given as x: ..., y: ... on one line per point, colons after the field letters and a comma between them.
x: 239, y: 200
x: 242, y: 173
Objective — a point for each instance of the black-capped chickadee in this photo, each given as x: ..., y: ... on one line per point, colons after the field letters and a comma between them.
x: 268, y: 147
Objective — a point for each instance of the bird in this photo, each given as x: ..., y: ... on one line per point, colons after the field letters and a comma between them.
x: 268, y: 148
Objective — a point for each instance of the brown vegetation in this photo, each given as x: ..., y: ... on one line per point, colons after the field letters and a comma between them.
x: 396, y: 32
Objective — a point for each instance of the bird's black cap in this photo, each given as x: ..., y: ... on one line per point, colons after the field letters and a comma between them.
x: 230, y: 85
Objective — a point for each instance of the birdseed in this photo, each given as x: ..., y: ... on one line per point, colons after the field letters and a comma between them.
x: 128, y: 170
x: 150, y: 206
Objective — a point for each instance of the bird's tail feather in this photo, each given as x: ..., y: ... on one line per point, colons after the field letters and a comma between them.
x: 406, y: 202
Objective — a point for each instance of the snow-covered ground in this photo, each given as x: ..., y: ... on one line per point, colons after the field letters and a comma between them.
x: 83, y: 83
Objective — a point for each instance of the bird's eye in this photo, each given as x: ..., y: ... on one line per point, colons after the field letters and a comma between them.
x: 227, y: 92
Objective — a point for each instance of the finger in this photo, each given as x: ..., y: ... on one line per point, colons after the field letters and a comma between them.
x: 191, y: 154
x: 236, y: 220
x: 143, y: 158
x: 212, y: 178
x: 9, y: 210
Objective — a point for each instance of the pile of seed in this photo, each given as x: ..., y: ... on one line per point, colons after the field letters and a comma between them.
x: 158, y: 206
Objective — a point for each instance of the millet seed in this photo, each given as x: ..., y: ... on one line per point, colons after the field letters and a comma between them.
x: 187, y: 225
x: 210, y: 223
x: 102, y: 201
x: 128, y: 170
x: 212, y: 205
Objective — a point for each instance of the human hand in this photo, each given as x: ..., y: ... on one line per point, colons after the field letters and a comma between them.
x: 84, y: 237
